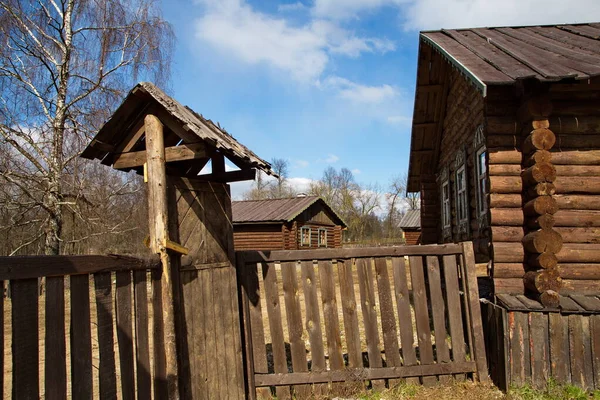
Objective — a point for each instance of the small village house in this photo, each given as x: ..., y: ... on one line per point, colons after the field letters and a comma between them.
x: 505, y: 152
x: 306, y: 222
x: 411, y: 227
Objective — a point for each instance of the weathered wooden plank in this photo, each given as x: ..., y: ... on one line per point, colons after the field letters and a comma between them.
x: 559, y: 348
x: 529, y: 303
x: 106, y: 343
x: 577, y: 350
x: 294, y: 320
x: 198, y: 340
x: 455, y: 315
x: 341, y: 254
x: 313, y: 319
x: 182, y: 152
x: 518, y: 346
x: 472, y: 297
x: 24, y: 294
x: 275, y: 324
x: 568, y: 304
x: 2, y: 293
x: 28, y: 267
x: 236, y: 375
x: 438, y: 309
x: 222, y: 339
x: 55, y: 366
x: 123, y: 302
x: 595, y: 345
x: 81, y: 345
x: 589, y: 303
x: 588, y: 363
x: 142, y: 343
x: 159, y: 368
x: 367, y: 297
x: 422, y: 315
x: 404, y: 313
x: 209, y: 331
x: 253, y: 326
x: 539, y: 347
x: 388, y: 319
x: 365, y: 374
x: 349, y: 310
x: 330, y: 315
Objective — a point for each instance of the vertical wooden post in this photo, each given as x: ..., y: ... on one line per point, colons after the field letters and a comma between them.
x: 157, y: 210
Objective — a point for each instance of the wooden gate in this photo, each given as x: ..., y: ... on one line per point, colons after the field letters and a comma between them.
x: 316, y: 317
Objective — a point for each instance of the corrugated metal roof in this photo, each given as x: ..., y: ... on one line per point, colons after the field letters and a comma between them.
x: 276, y: 210
x: 499, y: 56
x: 412, y: 219
x: 111, y: 134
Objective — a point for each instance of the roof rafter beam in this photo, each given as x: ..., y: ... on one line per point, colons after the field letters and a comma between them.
x: 175, y: 153
x: 229, y: 176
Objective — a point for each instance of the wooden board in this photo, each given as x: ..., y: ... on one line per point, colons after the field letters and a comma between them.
x: 404, y: 314
x: 125, y: 334
x: 81, y: 345
x: 313, y: 319
x: 2, y: 289
x: 159, y: 372
x: 438, y: 309
x: 104, y: 319
x: 330, y: 315
x: 142, y: 345
x: 457, y: 334
x: 422, y: 315
x: 367, y: 297
x: 275, y: 324
x: 25, y: 351
x: 559, y: 348
x: 349, y: 309
x: 388, y: 317
x: 55, y: 362
x: 539, y: 348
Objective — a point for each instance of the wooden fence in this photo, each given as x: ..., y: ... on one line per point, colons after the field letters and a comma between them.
x: 61, y: 344
x: 316, y: 317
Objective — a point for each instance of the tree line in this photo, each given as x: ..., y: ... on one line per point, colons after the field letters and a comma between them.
x: 372, y: 212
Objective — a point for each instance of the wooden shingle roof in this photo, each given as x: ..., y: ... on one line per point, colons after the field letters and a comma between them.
x: 277, y: 210
x: 183, y: 123
x: 412, y: 219
x: 499, y: 56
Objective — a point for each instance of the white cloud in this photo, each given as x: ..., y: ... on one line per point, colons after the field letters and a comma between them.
x: 301, y: 185
x: 358, y: 93
x: 332, y: 158
x: 399, y: 120
x: 304, y: 51
x: 356, y: 171
x: 476, y: 13
x: 301, y: 164
x: 347, y: 9
x: 297, y: 6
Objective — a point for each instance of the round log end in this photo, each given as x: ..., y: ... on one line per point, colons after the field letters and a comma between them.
x: 550, y: 298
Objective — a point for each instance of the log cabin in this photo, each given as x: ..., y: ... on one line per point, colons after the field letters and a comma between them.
x: 295, y: 223
x: 505, y: 152
x: 411, y: 227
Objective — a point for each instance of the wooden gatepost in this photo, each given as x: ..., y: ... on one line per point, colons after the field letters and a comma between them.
x: 190, y: 229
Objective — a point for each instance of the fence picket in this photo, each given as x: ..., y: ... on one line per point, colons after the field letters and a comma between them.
x: 330, y: 315
x: 25, y: 353
x: 294, y: 319
x: 388, y: 319
x: 142, y: 347
x: 160, y: 364
x: 104, y: 317
x: 275, y: 324
x: 438, y: 309
x: 422, y: 315
x: 457, y: 334
x: 350, y: 313
x: 4, y: 323
x: 124, y: 334
x: 81, y: 344
x: 55, y: 361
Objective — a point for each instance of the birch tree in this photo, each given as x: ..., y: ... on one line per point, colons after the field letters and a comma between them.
x: 64, y: 66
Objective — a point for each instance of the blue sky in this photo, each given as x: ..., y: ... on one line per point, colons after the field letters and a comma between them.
x: 325, y: 82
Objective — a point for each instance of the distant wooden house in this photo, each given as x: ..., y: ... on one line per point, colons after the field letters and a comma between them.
x: 505, y: 152
x: 411, y: 227
x: 286, y: 224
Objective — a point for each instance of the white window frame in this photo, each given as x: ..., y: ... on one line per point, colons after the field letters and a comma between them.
x: 481, y: 176
x: 322, y: 243
x: 462, y: 198
x: 446, y: 208
x: 302, y: 230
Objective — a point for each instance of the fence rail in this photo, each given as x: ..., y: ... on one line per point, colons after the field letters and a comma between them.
x: 314, y: 317
x: 62, y: 341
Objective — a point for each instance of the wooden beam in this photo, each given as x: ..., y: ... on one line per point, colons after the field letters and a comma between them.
x: 230, y: 176
x: 158, y: 227
x: 218, y: 163
x: 176, y: 153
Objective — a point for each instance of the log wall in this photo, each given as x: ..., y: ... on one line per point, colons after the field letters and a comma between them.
x: 546, y: 182
x: 282, y: 236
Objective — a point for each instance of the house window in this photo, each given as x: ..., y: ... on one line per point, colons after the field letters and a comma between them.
x: 305, y: 236
x: 446, y: 205
x: 481, y: 170
x: 462, y: 204
x: 322, y: 237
